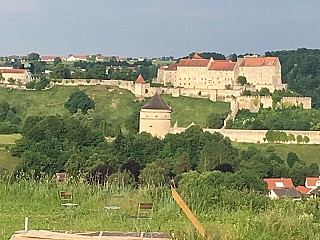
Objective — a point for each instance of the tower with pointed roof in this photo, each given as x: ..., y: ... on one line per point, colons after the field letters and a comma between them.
x: 139, y: 86
x: 155, y: 117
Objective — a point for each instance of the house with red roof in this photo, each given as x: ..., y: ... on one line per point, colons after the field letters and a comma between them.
x: 311, y: 188
x: 21, y: 76
x: 312, y: 182
x: 282, y: 187
x: 47, y: 58
x: 75, y: 58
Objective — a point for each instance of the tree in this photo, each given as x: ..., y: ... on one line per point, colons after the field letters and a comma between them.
x: 11, y: 80
x: 79, y: 100
x: 215, y: 120
x: 41, y: 84
x: 33, y: 56
x: 264, y: 92
x: 292, y: 158
x: 60, y: 72
x: 242, y: 80
x: 299, y: 139
x: 1, y: 78
x: 291, y: 137
x: 57, y: 60
x: 306, y: 139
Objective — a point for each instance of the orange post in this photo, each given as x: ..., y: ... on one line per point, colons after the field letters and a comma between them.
x: 188, y: 212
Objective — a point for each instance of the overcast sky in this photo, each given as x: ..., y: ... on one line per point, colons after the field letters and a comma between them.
x: 155, y: 28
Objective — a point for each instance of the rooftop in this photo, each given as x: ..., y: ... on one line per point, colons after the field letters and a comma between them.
x: 157, y: 103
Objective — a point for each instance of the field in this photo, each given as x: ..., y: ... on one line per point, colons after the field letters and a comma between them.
x: 308, y: 153
x: 8, y: 139
x: 111, y: 105
x: 40, y: 202
x: 7, y: 161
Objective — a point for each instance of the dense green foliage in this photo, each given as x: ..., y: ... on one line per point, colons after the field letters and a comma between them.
x: 9, y: 120
x: 300, y: 69
x: 75, y: 144
x: 79, y: 100
x: 292, y: 118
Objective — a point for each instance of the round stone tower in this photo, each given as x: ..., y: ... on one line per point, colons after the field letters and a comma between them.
x: 155, y: 117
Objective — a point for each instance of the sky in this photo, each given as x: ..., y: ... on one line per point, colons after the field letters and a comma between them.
x: 156, y: 28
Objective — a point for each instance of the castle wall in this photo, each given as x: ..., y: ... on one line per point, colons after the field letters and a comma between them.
x: 254, y: 136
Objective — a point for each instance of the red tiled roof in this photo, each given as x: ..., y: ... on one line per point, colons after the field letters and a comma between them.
x: 12, y: 70
x: 258, y: 61
x: 278, y: 183
x: 303, y: 189
x: 140, y: 80
x: 312, y: 181
x: 197, y: 56
x: 48, y: 57
x: 171, y: 67
x: 78, y: 56
x: 193, y: 63
x: 223, y: 65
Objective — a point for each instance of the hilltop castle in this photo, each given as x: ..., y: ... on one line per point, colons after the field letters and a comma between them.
x: 199, y: 73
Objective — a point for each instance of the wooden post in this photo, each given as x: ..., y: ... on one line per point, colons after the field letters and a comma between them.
x: 188, y: 212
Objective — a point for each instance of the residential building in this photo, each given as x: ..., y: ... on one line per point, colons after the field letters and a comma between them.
x: 281, y: 187
x: 20, y: 75
x: 74, y: 58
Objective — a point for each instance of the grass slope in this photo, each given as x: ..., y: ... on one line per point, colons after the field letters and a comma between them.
x: 308, y: 153
x: 7, y: 161
x: 110, y: 105
x: 8, y: 139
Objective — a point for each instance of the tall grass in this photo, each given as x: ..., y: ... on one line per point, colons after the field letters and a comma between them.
x: 39, y: 200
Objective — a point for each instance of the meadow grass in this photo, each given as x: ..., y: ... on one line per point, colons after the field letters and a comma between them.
x: 111, y: 105
x: 7, y: 161
x: 309, y: 153
x: 9, y: 139
x: 39, y: 200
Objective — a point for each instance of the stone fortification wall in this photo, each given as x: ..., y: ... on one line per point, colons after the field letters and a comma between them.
x: 254, y: 136
x: 254, y: 103
x: 305, y: 102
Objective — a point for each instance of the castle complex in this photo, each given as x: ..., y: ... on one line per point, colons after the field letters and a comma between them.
x: 199, y: 73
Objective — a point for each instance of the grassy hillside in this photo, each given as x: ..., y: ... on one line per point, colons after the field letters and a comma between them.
x: 115, y: 105
x: 308, y: 153
x: 7, y: 161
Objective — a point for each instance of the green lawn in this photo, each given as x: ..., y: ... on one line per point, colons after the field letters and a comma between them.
x: 187, y: 110
x: 7, y: 161
x: 115, y: 105
x: 306, y: 152
x: 8, y: 139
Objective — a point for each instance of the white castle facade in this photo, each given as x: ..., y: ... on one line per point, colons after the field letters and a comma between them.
x: 199, y: 73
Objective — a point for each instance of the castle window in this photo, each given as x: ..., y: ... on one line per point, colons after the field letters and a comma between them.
x: 150, y: 126
x: 156, y: 116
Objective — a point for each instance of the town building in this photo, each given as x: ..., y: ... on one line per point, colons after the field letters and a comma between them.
x: 21, y: 76
x: 199, y: 73
x: 74, y: 58
x: 282, y: 187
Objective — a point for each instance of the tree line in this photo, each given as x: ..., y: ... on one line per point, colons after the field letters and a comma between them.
x: 75, y: 143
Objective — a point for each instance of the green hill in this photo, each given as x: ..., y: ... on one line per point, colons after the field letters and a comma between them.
x: 306, y: 152
x: 111, y: 104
